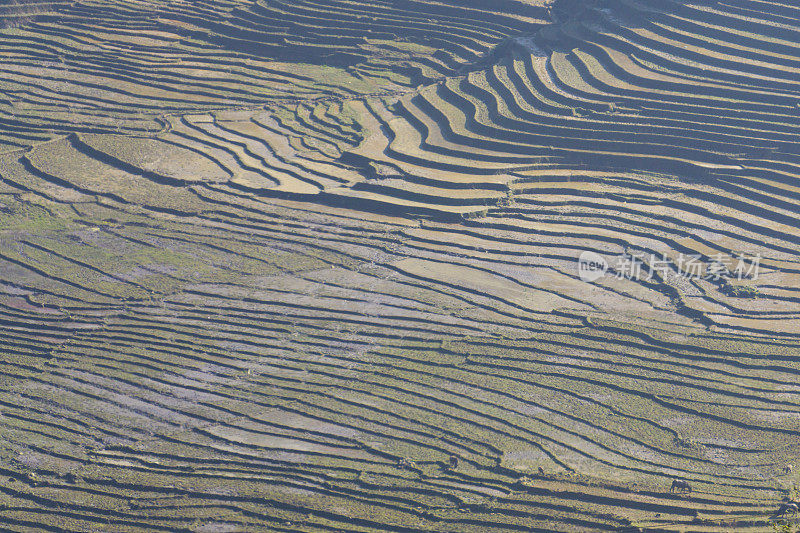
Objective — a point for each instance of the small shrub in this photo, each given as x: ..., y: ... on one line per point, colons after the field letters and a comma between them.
x: 740, y: 291
x: 785, y: 526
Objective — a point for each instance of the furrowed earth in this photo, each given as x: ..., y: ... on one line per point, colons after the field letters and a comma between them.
x: 312, y: 265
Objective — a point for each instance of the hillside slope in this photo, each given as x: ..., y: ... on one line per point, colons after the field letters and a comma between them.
x: 313, y: 265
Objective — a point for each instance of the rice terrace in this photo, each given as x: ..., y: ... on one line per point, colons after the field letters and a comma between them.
x: 403, y: 266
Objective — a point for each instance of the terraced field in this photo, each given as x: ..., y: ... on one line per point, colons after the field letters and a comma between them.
x: 312, y: 265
